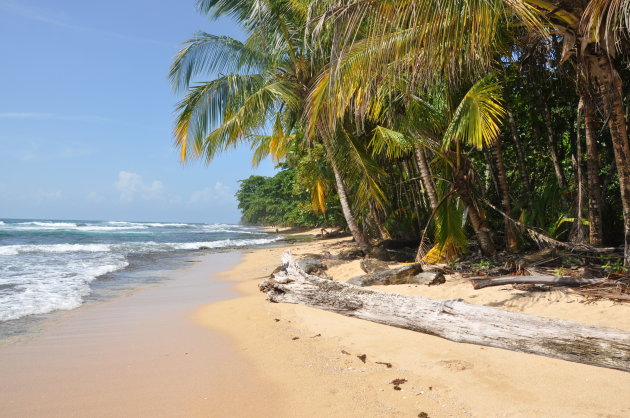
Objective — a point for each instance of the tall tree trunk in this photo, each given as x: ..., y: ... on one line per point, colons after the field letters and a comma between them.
x: 411, y: 171
x: 578, y: 234
x: 595, y: 202
x: 610, y: 86
x: 510, y: 235
x: 553, y: 148
x: 520, y: 156
x: 492, y: 170
x: 462, y: 185
x: 378, y: 225
x: 356, y: 232
x: 425, y: 175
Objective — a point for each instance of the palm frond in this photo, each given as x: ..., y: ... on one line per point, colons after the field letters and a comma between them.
x: 393, y: 143
x: 477, y: 119
x: 206, y: 54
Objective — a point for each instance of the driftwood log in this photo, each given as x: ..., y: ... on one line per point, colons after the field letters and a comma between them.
x: 551, y: 281
x: 410, y: 274
x: 454, y: 320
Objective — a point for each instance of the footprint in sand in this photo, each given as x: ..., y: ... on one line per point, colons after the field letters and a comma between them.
x: 458, y: 365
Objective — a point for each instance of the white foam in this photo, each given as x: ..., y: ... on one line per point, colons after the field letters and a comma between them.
x: 72, y: 227
x: 222, y: 243
x: 8, y: 250
x: 96, y: 228
x: 45, y: 288
x: 150, y: 224
x: 167, y: 225
x: 53, y: 248
x: 48, y: 224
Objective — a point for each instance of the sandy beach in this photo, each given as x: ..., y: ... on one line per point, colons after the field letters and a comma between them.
x: 310, y: 355
x: 207, y: 343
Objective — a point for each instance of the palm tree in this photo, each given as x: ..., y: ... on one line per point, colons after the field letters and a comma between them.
x: 425, y: 40
x: 444, y: 124
x: 267, y: 79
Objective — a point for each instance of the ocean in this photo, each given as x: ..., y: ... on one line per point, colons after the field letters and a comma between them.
x: 51, y: 265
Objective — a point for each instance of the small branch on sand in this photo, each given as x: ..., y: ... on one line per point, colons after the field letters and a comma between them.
x: 551, y: 281
x: 454, y: 320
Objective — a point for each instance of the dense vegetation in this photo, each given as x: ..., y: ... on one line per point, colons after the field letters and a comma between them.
x: 280, y: 200
x: 502, y: 121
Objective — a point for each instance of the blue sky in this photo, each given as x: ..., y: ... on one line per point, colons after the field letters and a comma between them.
x: 86, y: 113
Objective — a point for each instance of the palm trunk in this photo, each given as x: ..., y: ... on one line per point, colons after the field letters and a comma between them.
x: 382, y: 232
x: 578, y: 234
x: 463, y: 188
x: 356, y: 232
x: 611, y: 91
x: 491, y: 170
x: 510, y: 235
x: 595, y: 202
x: 553, y: 148
x: 427, y: 178
x: 520, y: 156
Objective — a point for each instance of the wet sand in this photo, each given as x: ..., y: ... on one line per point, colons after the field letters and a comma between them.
x: 136, y: 355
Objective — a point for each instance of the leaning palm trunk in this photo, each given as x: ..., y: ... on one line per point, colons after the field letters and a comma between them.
x: 463, y: 187
x: 380, y: 229
x: 356, y: 232
x: 426, y: 177
x: 428, y: 185
x: 610, y: 86
x: 595, y: 202
x: 510, y: 235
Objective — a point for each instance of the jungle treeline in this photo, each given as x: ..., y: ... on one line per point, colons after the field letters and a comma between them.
x: 477, y: 125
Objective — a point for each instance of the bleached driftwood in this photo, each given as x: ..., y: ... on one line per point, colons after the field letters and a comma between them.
x: 552, y: 281
x: 454, y: 320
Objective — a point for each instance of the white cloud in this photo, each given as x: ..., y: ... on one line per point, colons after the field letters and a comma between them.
x: 49, y: 195
x: 46, y: 152
x: 131, y: 186
x: 94, y: 197
x: 219, y: 192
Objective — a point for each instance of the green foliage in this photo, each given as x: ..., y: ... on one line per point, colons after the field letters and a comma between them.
x: 279, y: 200
x: 370, y: 86
x: 615, y: 265
x: 483, y: 265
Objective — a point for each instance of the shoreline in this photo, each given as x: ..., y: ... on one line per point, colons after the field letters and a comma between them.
x: 205, y: 342
x: 139, y: 354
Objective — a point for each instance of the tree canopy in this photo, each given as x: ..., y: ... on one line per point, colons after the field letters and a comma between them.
x: 474, y: 125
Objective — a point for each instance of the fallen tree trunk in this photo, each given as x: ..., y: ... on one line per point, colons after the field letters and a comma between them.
x: 454, y: 320
x: 552, y: 281
x: 410, y: 274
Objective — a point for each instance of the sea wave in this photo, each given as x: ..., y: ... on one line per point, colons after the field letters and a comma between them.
x: 129, y: 247
x: 150, y: 224
x: 53, y: 248
x: 45, y: 290
x: 48, y: 224
x: 62, y: 226
x: 96, y: 228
